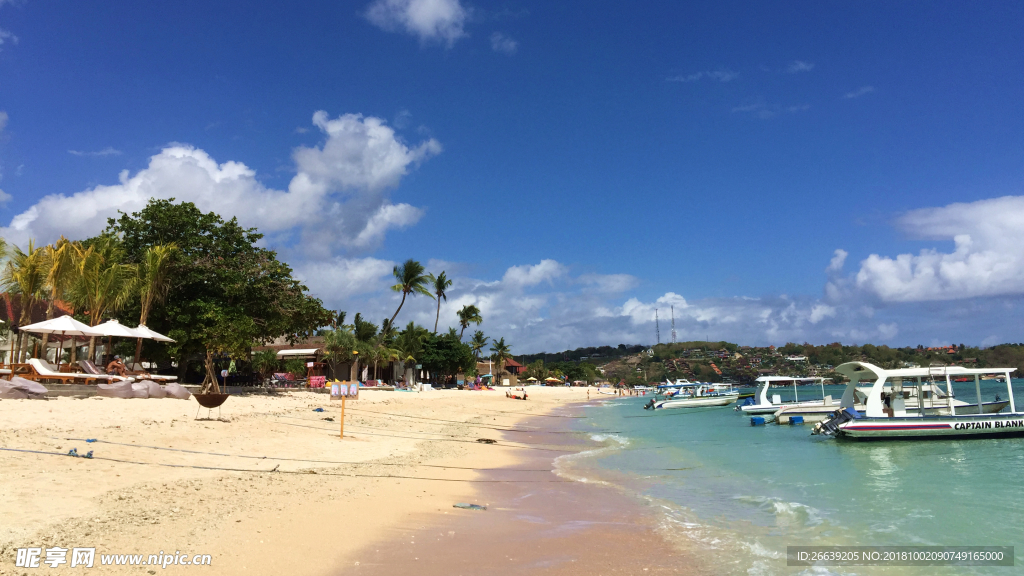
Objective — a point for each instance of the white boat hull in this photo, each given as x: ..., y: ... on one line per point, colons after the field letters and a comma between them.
x: 698, y: 401
x: 934, y: 427
x: 812, y: 414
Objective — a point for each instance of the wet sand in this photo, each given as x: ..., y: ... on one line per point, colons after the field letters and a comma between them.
x: 551, y: 527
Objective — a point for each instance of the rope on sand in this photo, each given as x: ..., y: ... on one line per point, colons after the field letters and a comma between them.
x: 277, y: 470
x: 315, y: 461
x: 505, y: 444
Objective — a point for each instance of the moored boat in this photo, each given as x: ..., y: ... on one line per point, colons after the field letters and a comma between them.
x: 693, y: 397
x: 885, y: 413
x: 766, y: 405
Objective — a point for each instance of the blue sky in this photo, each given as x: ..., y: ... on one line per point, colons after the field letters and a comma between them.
x: 572, y: 165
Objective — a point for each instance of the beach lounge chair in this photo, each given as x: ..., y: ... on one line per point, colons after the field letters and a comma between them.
x: 89, y: 367
x: 137, y: 371
x: 42, y: 370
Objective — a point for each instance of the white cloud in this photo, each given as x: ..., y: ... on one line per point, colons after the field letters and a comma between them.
x: 440, y: 20
x: 859, y: 92
x: 7, y: 36
x: 987, y: 258
x: 797, y: 66
x: 838, y: 259
x: 719, y: 75
x: 821, y: 311
x: 525, y: 276
x: 3, y: 120
x: 609, y: 283
x: 504, y: 44
x: 338, y: 279
x: 341, y: 186
x: 5, y: 198
x: 108, y: 151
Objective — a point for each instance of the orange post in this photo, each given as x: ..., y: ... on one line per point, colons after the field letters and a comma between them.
x: 342, y: 416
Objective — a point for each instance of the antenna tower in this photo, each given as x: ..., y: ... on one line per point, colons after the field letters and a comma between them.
x: 673, y: 324
x: 657, y: 328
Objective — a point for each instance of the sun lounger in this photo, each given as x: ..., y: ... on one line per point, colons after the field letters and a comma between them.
x: 43, y: 370
x: 136, y: 370
x: 89, y: 367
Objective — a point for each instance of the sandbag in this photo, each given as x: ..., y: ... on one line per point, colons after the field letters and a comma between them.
x: 175, y: 390
x: 139, y: 390
x: 9, y: 392
x: 18, y: 388
x: 154, y: 389
x: 115, y: 390
x: 30, y: 387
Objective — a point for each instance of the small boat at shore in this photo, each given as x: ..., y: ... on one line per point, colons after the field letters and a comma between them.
x: 770, y: 406
x: 698, y: 395
x: 885, y: 412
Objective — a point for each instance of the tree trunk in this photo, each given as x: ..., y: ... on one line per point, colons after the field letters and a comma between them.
x: 400, y: 304
x: 92, y: 348
x: 137, y: 359
x: 74, y: 351
x: 438, y: 315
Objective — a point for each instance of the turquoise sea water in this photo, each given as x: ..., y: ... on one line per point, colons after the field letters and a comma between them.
x: 741, y: 494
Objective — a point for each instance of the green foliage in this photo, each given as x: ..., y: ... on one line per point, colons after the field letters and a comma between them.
x: 446, y: 356
x: 225, y: 293
x: 264, y: 362
x: 338, y: 347
x: 296, y: 366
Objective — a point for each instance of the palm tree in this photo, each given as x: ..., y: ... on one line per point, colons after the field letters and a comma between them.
x: 469, y: 314
x: 154, y: 281
x: 59, y: 264
x: 102, y: 283
x: 25, y: 275
x: 411, y: 280
x: 440, y: 285
x: 500, y: 353
x: 477, y: 344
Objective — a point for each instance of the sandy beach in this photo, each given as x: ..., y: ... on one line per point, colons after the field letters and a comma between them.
x: 271, y: 488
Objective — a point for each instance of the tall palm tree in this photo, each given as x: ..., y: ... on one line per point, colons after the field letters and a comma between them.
x: 477, y: 344
x: 102, y: 284
x: 25, y: 275
x: 440, y: 285
x: 469, y: 314
x: 59, y: 264
x: 500, y: 353
x: 153, y: 278
x: 411, y: 280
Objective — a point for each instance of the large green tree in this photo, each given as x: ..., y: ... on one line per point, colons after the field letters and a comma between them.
x: 445, y: 356
x: 226, y: 293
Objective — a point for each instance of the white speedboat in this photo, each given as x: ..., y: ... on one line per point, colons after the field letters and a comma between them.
x: 699, y: 395
x: 929, y: 395
x: 885, y: 413
x: 764, y: 405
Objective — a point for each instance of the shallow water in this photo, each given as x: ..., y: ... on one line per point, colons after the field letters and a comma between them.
x: 741, y: 494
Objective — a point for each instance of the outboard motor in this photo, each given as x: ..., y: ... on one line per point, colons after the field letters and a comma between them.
x: 830, y: 426
x: 649, y: 405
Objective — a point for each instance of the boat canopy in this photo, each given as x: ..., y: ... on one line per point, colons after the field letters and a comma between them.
x: 865, y: 371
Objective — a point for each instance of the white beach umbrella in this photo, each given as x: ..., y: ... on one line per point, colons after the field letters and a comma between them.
x: 115, y: 328
x: 147, y: 333
x: 63, y: 325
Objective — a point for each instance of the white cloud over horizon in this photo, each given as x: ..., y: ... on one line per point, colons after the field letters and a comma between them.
x: 345, y: 180
x: 987, y: 257
x: 797, y: 66
x: 429, y: 20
